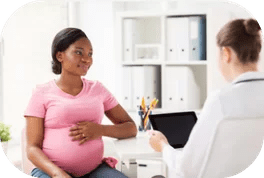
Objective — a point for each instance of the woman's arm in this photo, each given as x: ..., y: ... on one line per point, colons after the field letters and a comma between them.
x: 35, y: 135
x: 124, y: 126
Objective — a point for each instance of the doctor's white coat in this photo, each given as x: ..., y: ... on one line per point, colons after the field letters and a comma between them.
x: 245, y: 99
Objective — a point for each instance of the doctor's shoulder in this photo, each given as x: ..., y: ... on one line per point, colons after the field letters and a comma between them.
x: 221, y: 93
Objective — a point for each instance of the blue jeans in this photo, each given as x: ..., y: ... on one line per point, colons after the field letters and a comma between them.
x: 102, y: 171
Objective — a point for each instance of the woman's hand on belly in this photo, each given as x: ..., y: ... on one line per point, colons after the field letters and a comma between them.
x: 85, y: 131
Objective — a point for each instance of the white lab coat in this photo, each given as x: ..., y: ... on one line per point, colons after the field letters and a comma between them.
x: 243, y: 99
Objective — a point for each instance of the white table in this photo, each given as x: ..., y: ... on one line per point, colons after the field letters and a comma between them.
x: 135, y: 148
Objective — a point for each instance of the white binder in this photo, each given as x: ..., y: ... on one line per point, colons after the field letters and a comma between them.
x: 185, y: 38
x: 182, y: 92
x: 129, y: 32
x: 127, y: 88
x: 177, y: 39
x: 152, y: 84
x: 146, y: 82
x: 138, y: 86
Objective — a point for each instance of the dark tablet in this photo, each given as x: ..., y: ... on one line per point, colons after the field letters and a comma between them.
x: 175, y: 126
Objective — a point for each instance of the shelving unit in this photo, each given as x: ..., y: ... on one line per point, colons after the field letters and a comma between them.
x: 187, y: 63
x: 145, y: 41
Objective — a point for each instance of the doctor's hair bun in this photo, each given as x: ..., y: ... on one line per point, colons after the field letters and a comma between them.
x: 242, y: 35
x: 252, y: 26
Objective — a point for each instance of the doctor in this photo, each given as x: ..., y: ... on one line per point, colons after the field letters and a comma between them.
x: 239, y: 44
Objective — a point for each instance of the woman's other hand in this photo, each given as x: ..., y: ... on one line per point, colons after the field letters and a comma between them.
x: 85, y: 131
x: 157, y: 141
x: 61, y: 174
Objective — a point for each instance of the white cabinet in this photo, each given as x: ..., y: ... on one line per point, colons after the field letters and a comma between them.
x: 131, y: 170
x: 150, y: 168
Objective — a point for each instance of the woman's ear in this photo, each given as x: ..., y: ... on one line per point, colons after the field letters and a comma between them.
x: 59, y: 56
x: 226, y: 54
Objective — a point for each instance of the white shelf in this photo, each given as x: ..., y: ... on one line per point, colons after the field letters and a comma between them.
x: 142, y: 62
x: 161, y: 110
x: 154, y: 13
x: 159, y: 46
x: 150, y: 45
x: 141, y: 53
x: 186, y: 62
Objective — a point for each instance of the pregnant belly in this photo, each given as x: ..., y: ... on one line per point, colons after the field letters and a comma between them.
x: 75, y: 159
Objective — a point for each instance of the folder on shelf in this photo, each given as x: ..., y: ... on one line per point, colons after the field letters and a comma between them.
x: 186, y: 38
x: 146, y: 82
x: 182, y: 92
x: 127, y: 87
x: 197, y: 38
x: 129, y: 34
x: 177, y: 39
x: 152, y: 83
x: 137, y: 85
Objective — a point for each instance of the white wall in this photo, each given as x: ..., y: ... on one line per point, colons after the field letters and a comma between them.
x: 1, y: 79
x: 28, y: 35
x: 96, y: 21
x: 223, y: 13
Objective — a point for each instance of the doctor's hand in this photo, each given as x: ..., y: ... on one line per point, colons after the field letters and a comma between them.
x: 85, y: 131
x: 157, y: 140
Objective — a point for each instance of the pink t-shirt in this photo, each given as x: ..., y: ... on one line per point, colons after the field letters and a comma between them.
x: 61, y: 111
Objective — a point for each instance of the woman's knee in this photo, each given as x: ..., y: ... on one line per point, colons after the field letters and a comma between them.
x: 106, y: 171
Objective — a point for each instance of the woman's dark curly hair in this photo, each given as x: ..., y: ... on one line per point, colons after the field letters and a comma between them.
x: 61, y: 42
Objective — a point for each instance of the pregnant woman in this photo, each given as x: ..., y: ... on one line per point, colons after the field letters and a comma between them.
x: 63, y: 117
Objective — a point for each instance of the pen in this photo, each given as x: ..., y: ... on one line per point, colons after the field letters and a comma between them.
x: 151, y: 106
x: 143, y: 105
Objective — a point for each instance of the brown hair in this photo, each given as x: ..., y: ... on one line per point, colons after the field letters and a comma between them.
x: 243, y: 36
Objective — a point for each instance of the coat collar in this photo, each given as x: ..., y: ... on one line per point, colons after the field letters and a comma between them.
x: 248, y: 76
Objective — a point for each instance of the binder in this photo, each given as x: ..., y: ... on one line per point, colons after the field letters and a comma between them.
x: 177, y: 39
x: 129, y: 32
x: 182, y: 92
x: 197, y: 29
x: 127, y: 87
x: 152, y: 83
x: 146, y: 82
x: 138, y: 86
x: 186, y: 38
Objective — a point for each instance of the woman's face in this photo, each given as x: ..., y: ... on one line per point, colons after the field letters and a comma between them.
x: 77, y: 58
